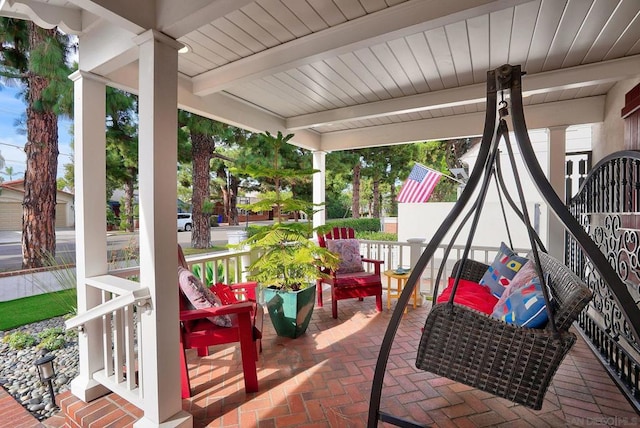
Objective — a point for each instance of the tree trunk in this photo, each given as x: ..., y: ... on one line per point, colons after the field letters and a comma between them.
x: 233, y: 201
x: 355, y: 203
x: 376, y: 198
x: 39, y: 204
x: 202, y: 147
x: 128, y: 200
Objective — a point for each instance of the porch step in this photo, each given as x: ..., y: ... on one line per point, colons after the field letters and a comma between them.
x: 111, y: 410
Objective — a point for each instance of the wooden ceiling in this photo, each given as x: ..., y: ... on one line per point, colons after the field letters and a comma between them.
x: 355, y: 73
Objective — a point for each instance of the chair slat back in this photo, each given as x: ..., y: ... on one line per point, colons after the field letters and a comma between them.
x: 336, y: 233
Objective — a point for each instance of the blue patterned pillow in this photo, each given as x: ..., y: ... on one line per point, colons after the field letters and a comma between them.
x: 502, y: 270
x: 523, y: 305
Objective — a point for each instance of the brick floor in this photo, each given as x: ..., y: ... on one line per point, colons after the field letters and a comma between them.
x: 323, y: 379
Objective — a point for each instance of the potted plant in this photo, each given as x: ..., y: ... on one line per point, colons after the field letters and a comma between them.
x: 288, y: 262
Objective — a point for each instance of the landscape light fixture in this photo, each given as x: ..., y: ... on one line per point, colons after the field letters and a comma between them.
x: 46, y: 373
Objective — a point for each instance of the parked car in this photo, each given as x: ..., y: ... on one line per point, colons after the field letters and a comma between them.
x: 184, y: 221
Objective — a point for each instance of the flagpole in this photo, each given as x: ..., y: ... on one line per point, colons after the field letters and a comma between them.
x: 442, y: 173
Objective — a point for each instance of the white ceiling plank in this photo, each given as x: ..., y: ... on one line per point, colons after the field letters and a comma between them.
x: 288, y: 19
x: 238, y: 34
x: 568, y: 94
x: 304, y: 90
x: 189, y: 67
x: 351, y: 9
x: 353, y: 79
x: 439, y: 46
x: 500, y: 24
x: 399, y: 21
x: 354, y: 63
x: 585, y: 75
x: 459, y: 43
x: 394, y: 68
x: 421, y: 51
x: 372, y: 64
x: 626, y: 11
x: 545, y: 30
x: 314, y: 86
x: 328, y: 11
x: 200, y: 50
x: 570, y: 23
x: 573, y: 112
x: 224, y: 40
x: 326, y: 83
x: 330, y: 74
x: 478, y: 33
x: 177, y: 19
x: 591, y: 27
x: 223, y: 54
x: 624, y: 45
x: 257, y: 14
x: 522, y: 32
x: 252, y: 89
x: 279, y: 89
x: 241, y: 20
x: 306, y: 14
x: 374, y: 5
x: 409, y: 65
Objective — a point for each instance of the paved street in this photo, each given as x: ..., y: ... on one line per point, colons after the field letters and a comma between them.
x: 11, y: 253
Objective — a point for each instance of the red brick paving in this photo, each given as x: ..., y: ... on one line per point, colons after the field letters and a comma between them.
x: 323, y: 379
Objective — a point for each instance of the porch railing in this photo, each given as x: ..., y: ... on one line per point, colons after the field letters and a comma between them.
x: 121, y: 327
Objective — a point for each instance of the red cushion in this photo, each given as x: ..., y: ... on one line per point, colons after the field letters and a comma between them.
x: 470, y: 294
x: 357, y: 279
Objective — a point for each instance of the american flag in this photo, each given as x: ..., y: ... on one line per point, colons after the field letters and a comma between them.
x: 419, y: 185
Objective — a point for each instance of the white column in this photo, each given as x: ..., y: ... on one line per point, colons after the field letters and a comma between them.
x: 557, y: 155
x: 319, y: 186
x: 158, y: 125
x: 89, y: 93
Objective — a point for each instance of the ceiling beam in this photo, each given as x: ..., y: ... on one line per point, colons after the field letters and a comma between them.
x: 571, y: 112
x: 393, y: 22
x: 177, y: 19
x: 557, y: 80
x: 134, y: 16
x: 221, y: 107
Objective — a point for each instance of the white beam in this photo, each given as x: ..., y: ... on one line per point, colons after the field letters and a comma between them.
x: 571, y: 112
x: 221, y: 107
x: 134, y: 16
x: 558, y: 80
x: 180, y: 18
x: 106, y: 48
x: 44, y: 15
x: 394, y: 22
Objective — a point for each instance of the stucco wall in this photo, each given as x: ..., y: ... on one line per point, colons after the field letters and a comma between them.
x: 608, y: 136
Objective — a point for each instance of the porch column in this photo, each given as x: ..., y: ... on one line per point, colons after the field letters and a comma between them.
x: 556, y: 160
x: 89, y: 91
x: 319, y: 186
x: 157, y: 149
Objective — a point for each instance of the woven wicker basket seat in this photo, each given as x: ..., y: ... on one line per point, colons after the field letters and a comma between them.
x: 512, y: 362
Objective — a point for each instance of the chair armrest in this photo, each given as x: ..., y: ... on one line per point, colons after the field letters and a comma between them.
x: 248, y: 289
x: 235, y: 308
x: 377, y: 264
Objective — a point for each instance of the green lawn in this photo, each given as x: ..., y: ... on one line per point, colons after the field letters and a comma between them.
x: 16, y: 313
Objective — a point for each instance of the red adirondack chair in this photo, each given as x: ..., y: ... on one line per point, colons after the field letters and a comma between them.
x: 196, y: 331
x: 349, y: 285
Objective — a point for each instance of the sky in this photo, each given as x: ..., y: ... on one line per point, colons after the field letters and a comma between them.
x: 12, y: 142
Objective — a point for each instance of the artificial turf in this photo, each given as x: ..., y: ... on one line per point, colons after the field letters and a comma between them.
x: 16, y: 313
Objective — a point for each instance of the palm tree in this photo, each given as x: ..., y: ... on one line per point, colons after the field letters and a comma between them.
x: 35, y: 58
x: 9, y: 171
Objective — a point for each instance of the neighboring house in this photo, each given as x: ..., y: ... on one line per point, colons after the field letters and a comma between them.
x: 11, y: 197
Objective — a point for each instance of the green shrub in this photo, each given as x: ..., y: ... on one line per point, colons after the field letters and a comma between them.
x: 377, y: 236
x: 19, y: 340
x: 52, y: 338
x: 357, y: 224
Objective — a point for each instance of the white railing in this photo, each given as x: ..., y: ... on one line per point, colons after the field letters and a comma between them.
x: 120, y: 300
x: 121, y: 328
x: 406, y: 254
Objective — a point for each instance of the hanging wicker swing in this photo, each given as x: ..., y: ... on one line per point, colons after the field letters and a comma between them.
x: 516, y: 363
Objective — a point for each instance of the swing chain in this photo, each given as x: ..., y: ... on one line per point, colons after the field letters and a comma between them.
x: 504, y: 106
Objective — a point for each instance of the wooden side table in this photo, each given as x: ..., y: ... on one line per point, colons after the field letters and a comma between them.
x: 401, y: 281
